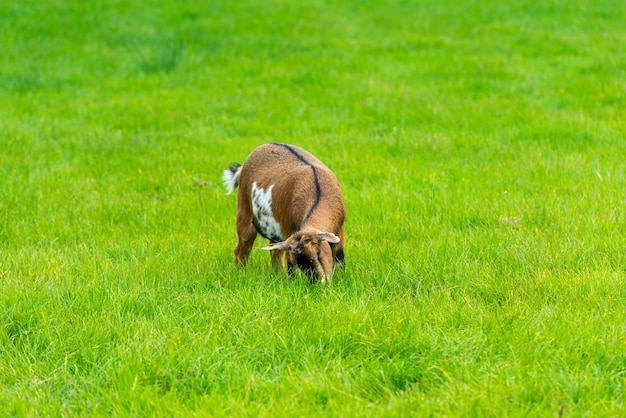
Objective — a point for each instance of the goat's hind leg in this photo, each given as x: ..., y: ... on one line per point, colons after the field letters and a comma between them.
x: 246, y: 232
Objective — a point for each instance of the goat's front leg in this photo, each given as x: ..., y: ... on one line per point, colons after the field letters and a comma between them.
x: 278, y: 260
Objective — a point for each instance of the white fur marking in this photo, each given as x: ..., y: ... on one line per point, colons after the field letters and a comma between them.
x: 262, y: 210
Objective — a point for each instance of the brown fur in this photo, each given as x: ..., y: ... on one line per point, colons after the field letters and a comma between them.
x: 306, y: 202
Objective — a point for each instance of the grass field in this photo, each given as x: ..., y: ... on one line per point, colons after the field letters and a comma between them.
x: 481, y: 151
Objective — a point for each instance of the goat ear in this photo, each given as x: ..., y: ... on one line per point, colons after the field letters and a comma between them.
x: 327, y: 236
x: 277, y: 246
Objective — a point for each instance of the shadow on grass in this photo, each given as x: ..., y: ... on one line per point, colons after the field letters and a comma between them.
x: 162, y: 56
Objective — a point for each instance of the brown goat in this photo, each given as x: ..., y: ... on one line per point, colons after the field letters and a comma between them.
x: 291, y: 198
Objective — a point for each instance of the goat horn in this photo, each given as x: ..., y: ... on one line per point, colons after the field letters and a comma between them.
x: 277, y: 246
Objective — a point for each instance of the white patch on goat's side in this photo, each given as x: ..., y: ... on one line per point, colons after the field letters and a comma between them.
x: 262, y: 210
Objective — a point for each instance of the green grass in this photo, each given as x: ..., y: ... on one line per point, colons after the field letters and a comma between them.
x: 480, y: 148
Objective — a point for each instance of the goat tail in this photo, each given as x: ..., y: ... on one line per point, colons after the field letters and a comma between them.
x: 231, y: 177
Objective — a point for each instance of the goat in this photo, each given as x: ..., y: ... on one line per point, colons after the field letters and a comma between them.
x: 291, y: 198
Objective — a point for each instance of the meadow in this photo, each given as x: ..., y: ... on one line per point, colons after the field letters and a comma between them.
x: 480, y: 147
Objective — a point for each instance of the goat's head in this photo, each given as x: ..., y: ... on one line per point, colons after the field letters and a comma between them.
x: 309, y: 250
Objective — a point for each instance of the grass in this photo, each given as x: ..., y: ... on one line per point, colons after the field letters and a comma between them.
x: 480, y: 150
